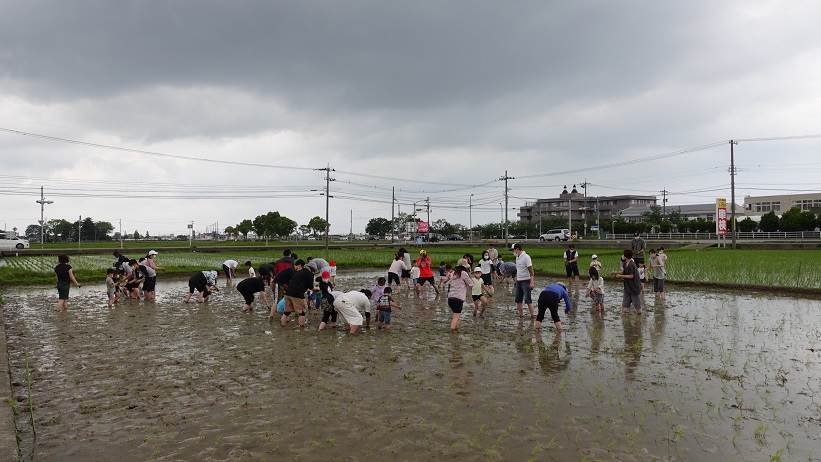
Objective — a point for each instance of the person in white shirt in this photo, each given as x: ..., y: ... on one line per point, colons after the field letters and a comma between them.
x: 230, y: 269
x: 525, y: 280
x: 351, y: 305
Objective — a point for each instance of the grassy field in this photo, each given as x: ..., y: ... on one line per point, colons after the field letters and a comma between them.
x: 144, y: 244
x: 798, y: 269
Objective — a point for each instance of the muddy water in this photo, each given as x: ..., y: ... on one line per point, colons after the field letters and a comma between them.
x: 702, y: 376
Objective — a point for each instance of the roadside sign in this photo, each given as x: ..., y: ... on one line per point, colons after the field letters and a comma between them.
x: 721, y: 216
x: 422, y: 227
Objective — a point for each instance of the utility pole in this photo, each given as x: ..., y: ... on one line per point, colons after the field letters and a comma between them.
x: 506, y: 178
x: 351, y: 222
x: 664, y: 193
x: 393, y: 218
x: 598, y: 216
x: 470, y: 216
x: 328, y: 180
x: 584, y: 209
x: 427, y: 204
x: 121, y: 233
x: 501, y: 220
x: 732, y: 189
x: 570, y: 212
x: 190, y: 234
x: 42, y: 203
x: 79, y: 230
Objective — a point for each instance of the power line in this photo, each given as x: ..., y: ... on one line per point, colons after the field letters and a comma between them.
x: 780, y: 138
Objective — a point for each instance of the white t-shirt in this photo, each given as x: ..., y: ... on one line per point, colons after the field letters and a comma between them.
x: 415, y: 272
x: 397, y: 266
x: 485, y: 265
x: 231, y: 263
x: 350, y: 305
x: 523, y: 262
x: 251, y: 272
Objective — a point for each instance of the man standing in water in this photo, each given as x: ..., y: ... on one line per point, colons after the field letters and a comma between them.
x: 525, y: 279
x: 632, y: 283
x: 637, y: 245
x: 301, y: 282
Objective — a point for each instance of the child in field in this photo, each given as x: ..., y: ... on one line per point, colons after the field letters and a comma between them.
x: 595, y: 289
x: 657, y: 262
x: 478, y: 293
x: 594, y: 262
x: 332, y: 264
x: 443, y: 274
x: 383, y: 309
x: 398, y: 267
x: 251, y: 272
x: 643, y: 275
x: 414, y: 274
x: 111, y: 287
x: 376, y: 293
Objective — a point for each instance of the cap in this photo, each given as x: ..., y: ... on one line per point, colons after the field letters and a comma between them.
x: 516, y: 246
x: 423, y: 252
x: 153, y: 252
x: 326, y: 275
x: 594, y: 257
x: 477, y: 269
x: 332, y: 262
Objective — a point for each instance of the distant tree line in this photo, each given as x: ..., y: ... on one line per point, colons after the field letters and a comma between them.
x: 62, y: 230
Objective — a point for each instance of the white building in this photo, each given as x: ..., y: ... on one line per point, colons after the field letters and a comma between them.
x: 759, y: 205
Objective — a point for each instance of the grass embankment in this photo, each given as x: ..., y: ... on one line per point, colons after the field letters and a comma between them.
x: 793, y: 269
x: 147, y: 244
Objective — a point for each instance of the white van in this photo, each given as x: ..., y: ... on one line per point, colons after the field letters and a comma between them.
x: 555, y: 235
x: 13, y: 243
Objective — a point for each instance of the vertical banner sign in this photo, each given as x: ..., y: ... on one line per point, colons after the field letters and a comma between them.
x: 422, y: 227
x: 721, y: 216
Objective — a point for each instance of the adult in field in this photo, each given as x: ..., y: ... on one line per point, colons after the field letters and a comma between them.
x: 250, y: 286
x: 493, y: 253
x: 149, y: 279
x: 318, y: 265
x: 396, y: 270
x: 280, y: 285
x: 150, y: 284
x: 525, y: 279
x: 571, y: 262
x: 632, y: 283
x: 65, y: 277
x: 637, y: 245
x: 549, y: 299
x: 301, y: 282
x: 204, y: 283
x: 351, y: 305
x: 507, y: 272
x: 229, y: 267
x: 425, y: 273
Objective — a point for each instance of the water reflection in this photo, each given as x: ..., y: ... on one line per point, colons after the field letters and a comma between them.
x: 632, y: 326
x: 552, y: 358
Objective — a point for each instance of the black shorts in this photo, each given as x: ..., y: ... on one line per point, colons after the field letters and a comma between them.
x: 393, y: 277
x: 132, y: 285
x: 487, y: 279
x: 329, y: 314
x: 548, y: 301
x: 456, y: 305
x: 150, y: 284
x: 572, y: 269
x: 227, y: 271
x: 476, y: 297
x: 249, y: 297
x: 405, y: 274
x: 430, y: 280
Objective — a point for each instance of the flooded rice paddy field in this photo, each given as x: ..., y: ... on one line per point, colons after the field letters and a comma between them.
x: 701, y: 376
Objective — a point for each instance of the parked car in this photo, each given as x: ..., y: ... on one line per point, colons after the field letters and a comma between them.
x: 454, y: 237
x: 13, y: 243
x: 555, y: 235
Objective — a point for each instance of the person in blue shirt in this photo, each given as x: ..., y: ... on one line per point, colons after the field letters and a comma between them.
x: 549, y: 300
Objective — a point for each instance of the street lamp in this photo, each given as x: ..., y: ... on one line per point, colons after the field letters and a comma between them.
x: 43, y: 202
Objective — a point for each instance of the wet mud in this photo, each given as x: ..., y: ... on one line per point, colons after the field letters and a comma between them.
x: 716, y: 375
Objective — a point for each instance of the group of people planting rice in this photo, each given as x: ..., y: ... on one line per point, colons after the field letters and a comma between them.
x: 298, y: 286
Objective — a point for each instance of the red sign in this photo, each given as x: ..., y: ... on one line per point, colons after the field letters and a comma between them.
x: 422, y: 227
x: 721, y: 217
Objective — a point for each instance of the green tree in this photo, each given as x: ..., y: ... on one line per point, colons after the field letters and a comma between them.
x: 442, y: 227
x: 653, y: 217
x: 60, y: 230
x: 769, y: 222
x: 102, y: 229
x: 244, y: 227
x: 137, y: 235
x: 304, y: 230
x: 747, y: 225
x: 33, y: 233
x: 318, y: 225
x: 284, y: 226
x: 379, y: 227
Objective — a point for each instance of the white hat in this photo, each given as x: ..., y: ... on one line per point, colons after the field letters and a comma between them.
x: 153, y: 252
x: 477, y: 269
x: 594, y: 256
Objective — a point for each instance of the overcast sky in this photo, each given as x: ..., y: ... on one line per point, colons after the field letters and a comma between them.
x: 437, y: 95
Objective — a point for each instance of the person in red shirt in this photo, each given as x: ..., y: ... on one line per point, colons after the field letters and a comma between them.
x: 425, y: 273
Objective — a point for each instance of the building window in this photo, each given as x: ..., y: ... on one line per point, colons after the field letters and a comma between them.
x: 776, y: 206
